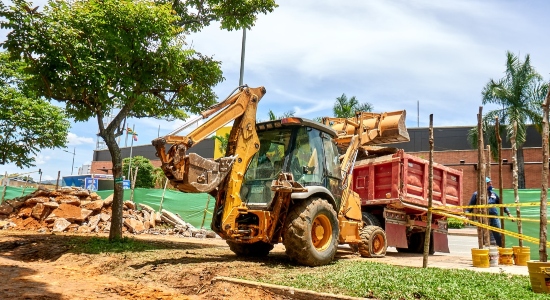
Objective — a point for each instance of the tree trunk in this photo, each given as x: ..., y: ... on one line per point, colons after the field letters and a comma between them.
x: 515, y: 178
x: 115, y: 232
x: 543, y: 256
x: 521, y: 168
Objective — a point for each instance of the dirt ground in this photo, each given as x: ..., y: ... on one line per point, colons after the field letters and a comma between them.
x: 40, y: 266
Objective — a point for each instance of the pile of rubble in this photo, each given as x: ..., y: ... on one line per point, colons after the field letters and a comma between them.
x: 73, y: 209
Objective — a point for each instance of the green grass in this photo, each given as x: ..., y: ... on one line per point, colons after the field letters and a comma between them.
x: 381, y: 281
x: 97, y: 245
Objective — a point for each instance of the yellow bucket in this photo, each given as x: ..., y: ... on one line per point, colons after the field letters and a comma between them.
x: 539, y: 273
x: 505, y: 256
x: 480, y: 257
x: 521, y: 255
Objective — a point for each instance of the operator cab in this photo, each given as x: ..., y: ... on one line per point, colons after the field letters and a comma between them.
x: 301, y: 147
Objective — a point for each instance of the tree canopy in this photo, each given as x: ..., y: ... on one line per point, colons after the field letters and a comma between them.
x: 145, y: 175
x: 27, y: 123
x: 98, y: 55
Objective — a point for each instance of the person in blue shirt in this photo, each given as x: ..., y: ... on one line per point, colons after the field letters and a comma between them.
x: 492, y: 199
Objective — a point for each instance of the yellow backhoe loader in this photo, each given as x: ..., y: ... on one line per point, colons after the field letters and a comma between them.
x: 285, y: 181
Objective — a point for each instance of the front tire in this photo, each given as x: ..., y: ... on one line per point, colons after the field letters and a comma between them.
x: 311, y: 235
x: 258, y: 249
x: 373, y: 242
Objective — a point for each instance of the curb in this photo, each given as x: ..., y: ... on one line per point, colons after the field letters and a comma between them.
x: 287, y: 291
x: 463, y: 232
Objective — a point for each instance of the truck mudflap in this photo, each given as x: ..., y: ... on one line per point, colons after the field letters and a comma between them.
x: 396, y: 235
x: 441, y: 242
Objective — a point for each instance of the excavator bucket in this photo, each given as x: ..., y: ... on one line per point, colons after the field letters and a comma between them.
x: 192, y: 173
x: 371, y: 128
x: 391, y: 126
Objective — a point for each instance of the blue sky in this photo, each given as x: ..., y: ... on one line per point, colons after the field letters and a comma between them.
x: 393, y: 54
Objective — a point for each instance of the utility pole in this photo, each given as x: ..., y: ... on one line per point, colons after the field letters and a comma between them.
x: 242, y: 57
x: 73, y: 153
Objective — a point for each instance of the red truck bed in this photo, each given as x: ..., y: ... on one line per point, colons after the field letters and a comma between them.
x: 401, y: 177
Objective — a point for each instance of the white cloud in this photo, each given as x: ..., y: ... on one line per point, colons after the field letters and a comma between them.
x: 74, y: 139
x: 41, y: 159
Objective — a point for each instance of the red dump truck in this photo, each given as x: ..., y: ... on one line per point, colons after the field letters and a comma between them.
x: 394, y: 195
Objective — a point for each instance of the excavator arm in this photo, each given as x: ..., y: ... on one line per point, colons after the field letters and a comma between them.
x: 192, y: 173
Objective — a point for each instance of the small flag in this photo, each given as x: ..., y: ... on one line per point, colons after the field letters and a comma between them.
x: 129, y: 130
x: 135, y: 136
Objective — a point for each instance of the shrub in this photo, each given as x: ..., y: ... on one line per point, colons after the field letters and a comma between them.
x: 455, y: 223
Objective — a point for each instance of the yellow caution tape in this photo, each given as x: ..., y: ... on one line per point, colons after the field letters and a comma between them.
x: 506, y: 232
x: 494, y: 205
x: 495, y: 217
x: 504, y: 218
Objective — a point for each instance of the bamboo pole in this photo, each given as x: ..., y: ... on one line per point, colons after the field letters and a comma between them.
x: 515, y: 178
x: 57, y: 182
x: 5, y: 183
x: 543, y: 255
x: 163, y: 192
x: 500, y: 179
x: 486, y: 232
x: 427, y: 237
x: 205, y: 210
x: 134, y: 184
x: 481, y: 195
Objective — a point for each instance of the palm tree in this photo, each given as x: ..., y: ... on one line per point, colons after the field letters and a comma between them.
x: 346, y: 108
x: 519, y: 94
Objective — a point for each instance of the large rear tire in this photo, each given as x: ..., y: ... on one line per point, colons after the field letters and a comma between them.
x: 311, y: 235
x: 373, y: 242
x: 258, y: 249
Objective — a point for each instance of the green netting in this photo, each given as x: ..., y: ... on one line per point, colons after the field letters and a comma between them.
x: 14, y: 192
x: 531, y: 229
x: 190, y: 207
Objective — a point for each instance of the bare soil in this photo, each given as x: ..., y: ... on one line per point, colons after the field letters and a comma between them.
x: 44, y: 266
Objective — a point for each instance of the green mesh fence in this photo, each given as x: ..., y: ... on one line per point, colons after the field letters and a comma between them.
x: 190, y: 207
x: 531, y: 229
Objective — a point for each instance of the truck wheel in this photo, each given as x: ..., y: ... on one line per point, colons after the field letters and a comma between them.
x: 370, y: 219
x: 311, y: 235
x: 373, y: 242
x: 258, y: 249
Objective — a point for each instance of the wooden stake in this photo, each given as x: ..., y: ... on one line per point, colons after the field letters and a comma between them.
x: 500, y: 184
x: 427, y: 237
x: 543, y: 256
x: 515, y: 178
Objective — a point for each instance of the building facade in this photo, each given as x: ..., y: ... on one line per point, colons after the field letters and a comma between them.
x: 451, y: 148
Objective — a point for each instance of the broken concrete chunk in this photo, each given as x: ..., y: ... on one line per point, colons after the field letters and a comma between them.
x: 69, y: 212
x: 94, y: 220
x: 60, y: 225
x: 129, y: 204
x: 96, y: 205
x: 40, y: 211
